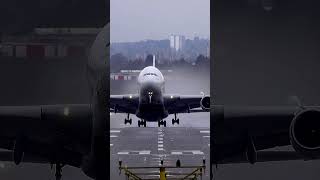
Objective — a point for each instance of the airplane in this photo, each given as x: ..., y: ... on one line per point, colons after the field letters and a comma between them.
x: 151, y: 104
x: 64, y: 134
x: 75, y: 134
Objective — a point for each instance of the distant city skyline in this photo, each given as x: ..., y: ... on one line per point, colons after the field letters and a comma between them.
x: 139, y: 20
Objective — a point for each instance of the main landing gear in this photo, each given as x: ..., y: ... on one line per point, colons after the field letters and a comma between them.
x: 175, y: 120
x: 162, y: 122
x: 128, y: 120
x: 142, y: 123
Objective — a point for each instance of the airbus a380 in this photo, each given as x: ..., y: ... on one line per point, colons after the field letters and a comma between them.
x: 75, y: 134
x: 152, y: 104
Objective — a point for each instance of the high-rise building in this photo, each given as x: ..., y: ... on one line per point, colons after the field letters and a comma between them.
x: 177, y: 42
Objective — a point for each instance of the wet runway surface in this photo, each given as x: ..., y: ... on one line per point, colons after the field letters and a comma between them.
x: 137, y: 146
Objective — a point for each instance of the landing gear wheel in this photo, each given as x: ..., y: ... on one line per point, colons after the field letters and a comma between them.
x: 128, y: 120
x: 145, y: 123
x: 175, y: 120
x: 162, y: 122
x: 142, y: 123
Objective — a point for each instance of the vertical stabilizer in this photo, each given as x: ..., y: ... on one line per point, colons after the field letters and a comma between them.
x: 154, y: 61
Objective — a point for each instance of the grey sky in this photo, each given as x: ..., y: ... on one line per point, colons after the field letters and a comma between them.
x: 134, y: 20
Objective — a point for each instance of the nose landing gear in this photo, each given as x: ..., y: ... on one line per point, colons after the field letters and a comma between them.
x: 128, y: 120
x: 142, y: 123
x: 58, y: 168
x: 162, y: 122
x: 175, y: 120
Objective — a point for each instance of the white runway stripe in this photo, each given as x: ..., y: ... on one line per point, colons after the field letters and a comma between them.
x: 144, y: 152
x: 197, y: 152
x: 113, y: 136
x: 160, y: 142
x: 176, y: 153
x: 120, y: 153
x: 206, y: 136
x: 187, y: 152
x: 204, y: 131
x: 111, y: 144
x: 114, y: 131
x: 160, y: 145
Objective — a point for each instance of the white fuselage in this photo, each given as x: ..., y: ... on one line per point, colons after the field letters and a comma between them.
x: 151, y: 88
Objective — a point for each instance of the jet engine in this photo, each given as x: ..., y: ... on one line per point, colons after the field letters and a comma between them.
x: 205, y: 103
x: 305, y: 133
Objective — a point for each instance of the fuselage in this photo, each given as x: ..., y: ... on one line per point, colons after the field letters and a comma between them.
x: 151, y: 88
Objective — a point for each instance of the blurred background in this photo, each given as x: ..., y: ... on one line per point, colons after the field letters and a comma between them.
x: 264, y: 53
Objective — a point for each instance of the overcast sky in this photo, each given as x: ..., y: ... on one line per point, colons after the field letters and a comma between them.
x: 135, y: 20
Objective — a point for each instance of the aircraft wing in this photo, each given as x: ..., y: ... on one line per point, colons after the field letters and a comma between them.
x: 242, y: 134
x: 186, y: 103
x: 124, y: 103
x: 46, y: 133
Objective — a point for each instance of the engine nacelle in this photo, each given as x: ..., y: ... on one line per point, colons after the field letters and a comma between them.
x: 205, y: 103
x: 305, y: 133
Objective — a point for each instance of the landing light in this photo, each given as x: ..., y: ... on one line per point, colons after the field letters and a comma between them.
x: 130, y: 97
x: 66, y: 111
x: 171, y: 97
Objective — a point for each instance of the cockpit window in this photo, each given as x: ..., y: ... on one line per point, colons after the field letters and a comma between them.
x: 150, y: 74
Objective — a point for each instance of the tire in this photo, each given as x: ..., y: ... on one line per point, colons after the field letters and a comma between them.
x: 165, y: 123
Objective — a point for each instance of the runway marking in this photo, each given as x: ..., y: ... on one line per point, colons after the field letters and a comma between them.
x: 197, y: 152
x: 121, y: 153
x: 144, y: 152
x: 160, y: 145
x: 161, y: 135
x: 114, y: 131
x: 113, y: 136
x: 187, y: 152
x: 204, y: 131
x: 176, y: 153
x: 111, y: 144
x: 160, y: 142
x: 160, y: 138
x: 160, y: 149
x: 209, y: 145
x: 206, y: 136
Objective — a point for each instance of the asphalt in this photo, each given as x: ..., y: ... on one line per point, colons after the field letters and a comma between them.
x: 146, y: 147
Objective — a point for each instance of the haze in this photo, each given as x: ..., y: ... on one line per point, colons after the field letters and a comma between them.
x: 135, y: 20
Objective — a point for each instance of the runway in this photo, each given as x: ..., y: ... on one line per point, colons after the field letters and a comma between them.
x: 137, y: 146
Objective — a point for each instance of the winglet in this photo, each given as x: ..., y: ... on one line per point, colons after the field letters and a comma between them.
x: 154, y: 61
